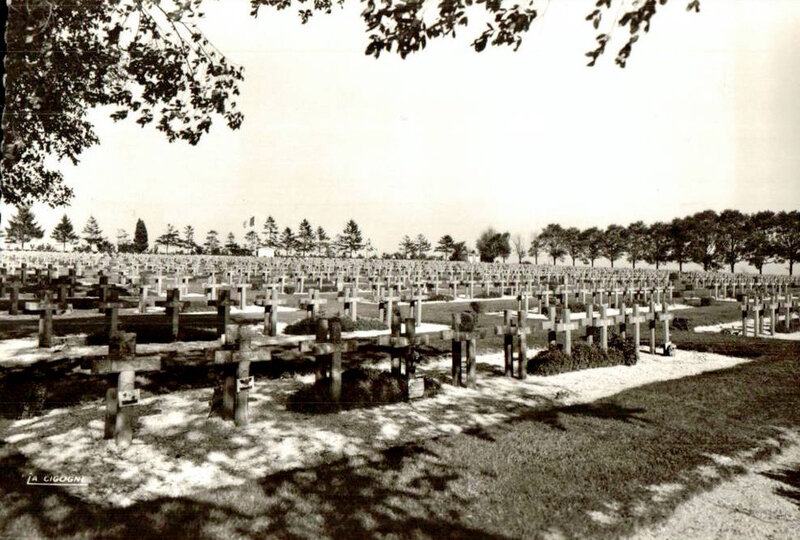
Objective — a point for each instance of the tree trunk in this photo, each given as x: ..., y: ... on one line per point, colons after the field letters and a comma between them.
x: 791, y: 266
x: 657, y: 262
x: 634, y: 264
x: 612, y: 263
x: 680, y: 266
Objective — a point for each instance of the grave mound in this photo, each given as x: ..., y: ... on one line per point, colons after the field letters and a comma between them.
x: 308, y: 326
x: 554, y: 361
x: 360, y: 388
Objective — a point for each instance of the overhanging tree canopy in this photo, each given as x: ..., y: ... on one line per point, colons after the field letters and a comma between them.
x: 149, y: 60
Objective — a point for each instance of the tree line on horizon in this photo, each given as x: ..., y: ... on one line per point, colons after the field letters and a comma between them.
x: 710, y: 239
x: 23, y: 228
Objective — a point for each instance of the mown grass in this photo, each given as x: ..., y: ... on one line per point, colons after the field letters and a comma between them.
x: 543, y: 473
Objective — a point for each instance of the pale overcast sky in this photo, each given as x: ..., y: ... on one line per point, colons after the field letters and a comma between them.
x: 450, y: 141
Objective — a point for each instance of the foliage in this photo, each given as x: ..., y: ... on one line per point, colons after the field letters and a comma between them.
x: 140, y: 241
x: 637, y: 241
x: 573, y: 243
x: 92, y: 234
x: 287, y: 241
x: 703, y: 231
x: 64, y: 232
x: 492, y: 244
x: 23, y: 227
x: 552, y: 239
x: 308, y: 326
x: 351, y: 240
x: 169, y: 238
x: 657, y: 248
x: 305, y: 237
x: 553, y: 360
x: 270, y: 233
x: 212, y: 245
x: 460, y: 252
x: 421, y: 247
x: 591, y: 239
x: 143, y: 58
x: 613, y: 243
x: 536, y: 247
x: 439, y: 298
x: 445, y: 246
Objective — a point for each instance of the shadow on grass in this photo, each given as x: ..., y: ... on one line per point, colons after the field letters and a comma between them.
x: 333, y: 500
x: 603, y: 410
x: 791, y: 479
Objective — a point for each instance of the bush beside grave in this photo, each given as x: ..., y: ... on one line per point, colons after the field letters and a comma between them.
x: 554, y: 361
x: 484, y: 295
x: 439, y: 298
x: 308, y: 326
x: 360, y: 388
x: 680, y: 323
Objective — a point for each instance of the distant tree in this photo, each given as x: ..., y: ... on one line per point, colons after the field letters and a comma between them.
x: 445, y: 246
x: 271, y: 233
x: 760, y: 243
x: 519, y: 247
x: 787, y: 237
x: 552, y: 239
x: 703, y: 229
x: 351, y: 239
x: 188, y: 238
x: 592, y: 241
x: 92, y: 234
x: 64, y: 233
x: 23, y: 227
x: 732, y: 235
x: 231, y: 245
x: 323, y: 242
x: 306, y: 239
x: 169, y: 238
x: 613, y: 243
x: 492, y: 244
x: 140, y: 241
x: 212, y: 245
x: 421, y: 247
x: 536, y: 247
x: 124, y: 244
x: 679, y: 241
x: 658, y: 245
x: 407, y: 247
x: 573, y: 243
x: 287, y: 241
x: 460, y: 251
x: 252, y: 241
x: 636, y: 242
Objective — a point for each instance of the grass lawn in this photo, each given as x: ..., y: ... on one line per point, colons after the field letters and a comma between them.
x: 598, y: 470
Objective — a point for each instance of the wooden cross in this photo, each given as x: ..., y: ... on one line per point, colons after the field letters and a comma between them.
x: 270, y: 305
x: 235, y: 356
x: 603, y: 322
x: 350, y: 302
x: 635, y: 319
x: 173, y: 310
x: 13, y: 295
x: 111, y: 309
x: 462, y: 342
x: 242, y: 288
x: 224, y: 304
x: 45, y: 309
x: 312, y: 303
x: 567, y: 325
x: 514, y: 332
x: 665, y: 316
x: 385, y: 306
x: 123, y: 362
x: 550, y: 326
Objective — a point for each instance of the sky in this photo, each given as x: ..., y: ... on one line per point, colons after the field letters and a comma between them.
x: 449, y: 141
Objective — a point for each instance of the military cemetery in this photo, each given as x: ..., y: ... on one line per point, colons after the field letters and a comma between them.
x: 397, y: 340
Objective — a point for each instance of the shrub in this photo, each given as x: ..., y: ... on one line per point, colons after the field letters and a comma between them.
x: 289, y: 289
x: 705, y: 301
x: 493, y: 294
x: 360, y: 388
x: 554, y: 360
x: 469, y: 322
x: 439, y: 298
x: 309, y: 326
x: 476, y: 307
x: 680, y: 323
